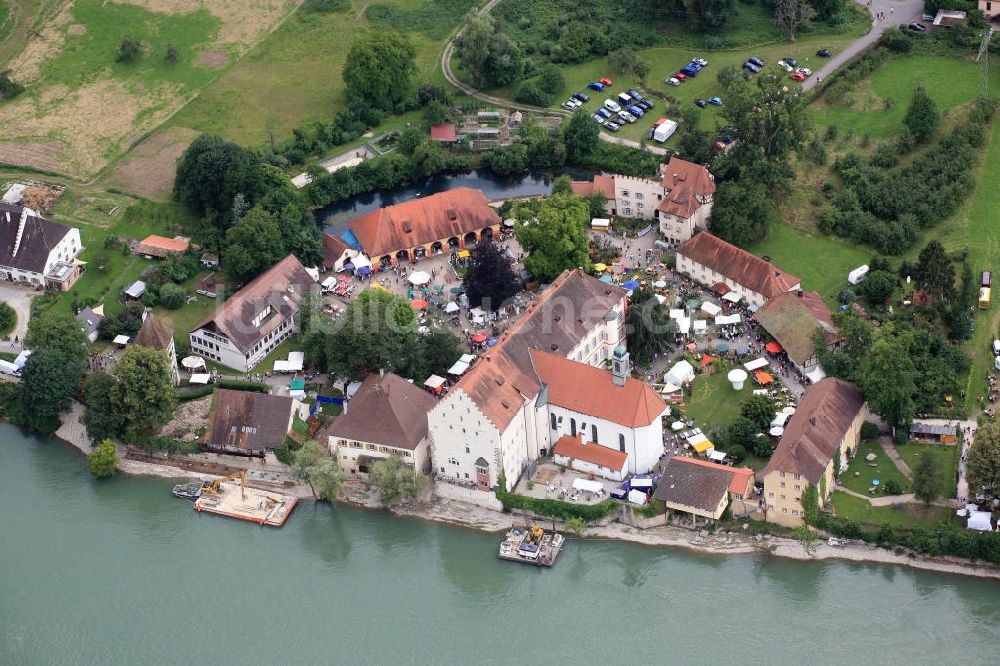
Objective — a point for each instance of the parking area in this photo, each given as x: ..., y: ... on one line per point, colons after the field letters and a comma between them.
x: 18, y: 298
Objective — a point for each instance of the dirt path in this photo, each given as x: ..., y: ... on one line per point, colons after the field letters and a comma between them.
x: 894, y: 456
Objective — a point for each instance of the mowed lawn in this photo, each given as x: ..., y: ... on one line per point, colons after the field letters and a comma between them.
x: 898, y: 515
x: 822, y: 262
x: 861, y: 473
x: 946, y: 458
x: 878, y: 105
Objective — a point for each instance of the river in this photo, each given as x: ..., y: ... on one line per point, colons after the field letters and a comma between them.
x: 120, y: 572
x: 336, y: 216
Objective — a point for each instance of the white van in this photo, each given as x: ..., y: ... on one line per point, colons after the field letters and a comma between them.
x: 996, y: 347
x: 858, y: 274
x: 664, y: 130
x: 8, y: 368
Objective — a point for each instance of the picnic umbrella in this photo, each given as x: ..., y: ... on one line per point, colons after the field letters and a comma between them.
x: 660, y: 284
x: 722, y: 347
x: 606, y: 278
x: 773, y: 347
x: 460, y: 289
x: 451, y: 307
x: 479, y: 338
x: 491, y: 342
x: 418, y: 304
x: 742, y: 350
x: 420, y: 277
x: 348, y: 266
x: 692, y: 304
x: 600, y: 268
x: 364, y: 270
x: 631, y: 284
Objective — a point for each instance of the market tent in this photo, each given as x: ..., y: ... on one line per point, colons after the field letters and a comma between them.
x: 361, y: 262
x: 773, y: 347
x: 479, y: 338
x: 200, y: 378
x: 637, y: 497
x: 459, y: 368
x: 640, y: 483
x: 677, y: 426
x: 676, y: 313
x: 607, y: 279
x: 717, y: 456
x: 706, y: 360
x: 600, y: 223
x: 462, y: 254
x: 777, y: 431
x: 587, y: 485
x: 732, y: 297
x: 681, y: 373
x: 419, y: 278
x: 192, y: 362
x: 980, y: 520
x: 435, y: 383
x: 742, y: 350
x: 631, y: 284
x: 121, y: 340
x: 703, y: 446
x: 711, y: 309
x: 763, y: 378
x: 451, y: 307
x: 753, y: 307
x: 684, y: 325
x: 660, y: 284
x: 755, y: 364
x: 722, y: 347
x: 419, y: 304
x: 467, y: 358
x: 669, y: 388
x: 816, y: 374
x: 296, y: 360
x: 600, y: 268
x: 700, y: 326
x: 281, y: 365
x: 477, y: 312
x: 726, y: 320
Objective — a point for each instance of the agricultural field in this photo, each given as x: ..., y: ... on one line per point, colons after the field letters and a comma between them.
x: 83, y: 108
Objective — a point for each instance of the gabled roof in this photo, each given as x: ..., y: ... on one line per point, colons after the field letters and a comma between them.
x: 813, y: 435
x: 159, y: 246
x: 281, y: 287
x: 249, y: 420
x: 591, y: 391
x: 562, y: 316
x: 696, y: 178
x: 738, y: 265
x: 154, y: 333
x: 573, y: 447
x: 687, y: 483
x: 386, y: 410
x: 423, y: 221
x: 89, y: 320
x: 599, y: 185
x: 333, y: 249
x: 444, y: 132
x: 792, y: 318
x: 741, y: 476
x: 38, y: 239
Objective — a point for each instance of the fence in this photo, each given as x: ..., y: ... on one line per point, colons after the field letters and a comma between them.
x: 320, y: 399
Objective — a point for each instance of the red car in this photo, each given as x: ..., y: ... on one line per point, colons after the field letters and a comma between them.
x: 797, y: 76
x: 605, y: 81
x: 679, y: 76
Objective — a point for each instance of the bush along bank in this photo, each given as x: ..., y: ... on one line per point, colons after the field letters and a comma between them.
x: 552, y: 507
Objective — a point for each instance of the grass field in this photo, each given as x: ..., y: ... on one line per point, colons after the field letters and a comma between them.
x: 713, y: 402
x: 860, y: 473
x: 946, y: 457
x: 900, y: 515
x: 876, y: 106
x: 822, y: 262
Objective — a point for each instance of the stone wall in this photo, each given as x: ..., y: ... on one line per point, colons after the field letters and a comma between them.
x: 487, y: 500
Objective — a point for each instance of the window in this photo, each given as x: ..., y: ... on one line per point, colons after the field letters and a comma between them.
x: 442, y: 470
x: 466, y: 475
x: 572, y: 427
x: 466, y: 449
x: 783, y: 497
x: 627, y: 212
x: 781, y: 474
x: 798, y: 476
x: 638, y: 195
x: 782, y: 484
x: 624, y: 193
x: 593, y: 432
x: 639, y: 205
x: 784, y: 510
x: 621, y: 442
x: 797, y: 487
x: 771, y: 495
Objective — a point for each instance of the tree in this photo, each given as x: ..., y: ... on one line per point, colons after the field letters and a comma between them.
x: 922, y: 117
x: 489, y: 55
x: 395, y: 478
x: 8, y: 319
x: 211, y: 172
x: 172, y: 296
x: 143, y: 394
x: 983, y: 472
x: 435, y: 112
x: 253, y: 244
x: 793, y: 15
x: 314, y: 464
x: 551, y: 79
x: 129, y: 50
x: 562, y: 185
x: 103, y: 460
x: 741, y: 214
x: 926, y: 480
x: 531, y: 93
x: 379, y: 70
x: 57, y: 330
x: 553, y: 232
x: 934, y: 272
x: 507, y: 160
x: 100, y: 416
x: 743, y: 432
x: 49, y: 380
x: 857, y: 336
x: 490, y: 279
x: 888, y: 381
x: 878, y: 287
x: 627, y: 62
x: 767, y: 121
x: 576, y: 525
x: 581, y: 136
x: 409, y: 139
x: 807, y: 537
x: 172, y: 54
x: 695, y: 144
x: 759, y: 410
x: 648, y: 326
x: 809, y: 499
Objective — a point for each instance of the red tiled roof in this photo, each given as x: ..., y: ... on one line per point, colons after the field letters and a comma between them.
x: 600, y: 185
x: 592, y: 391
x: 573, y: 447
x: 248, y: 420
x: 582, y: 188
x: 813, y: 435
x: 158, y: 246
x: 562, y: 316
x: 445, y: 132
x: 696, y: 178
x: 738, y: 265
x: 423, y: 221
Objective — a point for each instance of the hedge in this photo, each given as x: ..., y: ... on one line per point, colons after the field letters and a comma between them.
x: 195, y: 393
x: 238, y: 385
x: 556, y: 508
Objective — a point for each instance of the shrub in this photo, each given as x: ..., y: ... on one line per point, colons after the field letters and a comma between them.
x: 8, y: 319
x: 238, y: 385
x: 551, y: 79
x: 172, y: 296
x: 103, y: 460
x: 9, y: 89
x: 869, y: 430
x: 555, y: 508
x: 532, y: 93
x: 195, y: 393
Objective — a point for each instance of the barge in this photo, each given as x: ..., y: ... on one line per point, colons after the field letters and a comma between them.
x: 188, y: 491
x: 230, y: 496
x: 531, y: 545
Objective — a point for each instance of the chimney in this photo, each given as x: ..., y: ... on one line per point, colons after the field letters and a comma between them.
x: 20, y: 230
x: 381, y: 372
x: 800, y: 293
x: 812, y: 420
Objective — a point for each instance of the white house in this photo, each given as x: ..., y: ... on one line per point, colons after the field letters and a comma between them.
x: 256, y: 319
x: 35, y: 251
x: 387, y: 416
x: 487, y: 426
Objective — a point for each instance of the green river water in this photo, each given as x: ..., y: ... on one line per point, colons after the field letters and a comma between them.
x: 119, y: 572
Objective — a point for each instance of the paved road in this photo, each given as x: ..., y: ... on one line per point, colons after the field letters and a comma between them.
x: 896, y: 12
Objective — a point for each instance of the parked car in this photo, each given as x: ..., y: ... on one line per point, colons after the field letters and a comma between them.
x: 597, y: 119
x: 651, y: 103
x: 918, y: 27
x: 927, y: 17
x: 785, y: 66
x: 627, y: 117
x: 612, y: 105
x: 674, y: 81
x: 606, y: 81
x: 569, y: 106
x: 750, y: 67
x: 649, y: 134
x: 805, y: 70
x: 636, y: 111
x: 700, y: 103
x: 823, y: 53
x: 701, y: 61
x: 797, y: 76
x: 603, y: 113
x: 645, y: 105
x: 612, y: 126
x: 757, y: 61
x: 689, y: 71
x: 792, y: 61
x: 633, y: 94
x: 695, y: 66
x: 715, y: 101
x: 581, y: 97
x: 596, y: 85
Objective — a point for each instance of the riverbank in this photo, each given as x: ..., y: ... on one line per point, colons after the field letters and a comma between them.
x: 479, y: 518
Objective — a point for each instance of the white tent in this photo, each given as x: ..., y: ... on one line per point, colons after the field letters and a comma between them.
x: 669, y: 388
x: 200, y: 378
x: 726, y: 320
x: 121, y: 340
x: 361, y: 261
x: 296, y: 360
x: 700, y: 326
x: 684, y: 325
x: 587, y: 485
x: 467, y: 358
x: 716, y: 456
x: 477, y: 312
x: 600, y: 223
x: 193, y: 362
x: 755, y: 364
x: 281, y: 365
x: 677, y: 425
x: 637, y: 497
x: 420, y: 277
x: 816, y: 374
x: 451, y: 307
x: 434, y: 382
x: 980, y: 520
x: 697, y: 438
x: 676, y: 313
x: 780, y: 420
x: 661, y: 298
x: 352, y: 388
x: 776, y: 431
x: 711, y: 309
x: 459, y: 368
x: 681, y: 373
x: 732, y: 297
